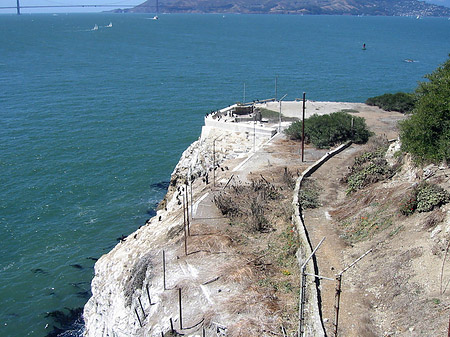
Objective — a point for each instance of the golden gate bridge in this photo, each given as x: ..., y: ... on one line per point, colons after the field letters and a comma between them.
x: 18, y: 7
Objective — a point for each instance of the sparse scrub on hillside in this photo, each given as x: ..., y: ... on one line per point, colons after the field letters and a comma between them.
x: 367, y: 169
x: 308, y: 195
x: 401, y: 102
x: 248, y: 204
x: 326, y: 131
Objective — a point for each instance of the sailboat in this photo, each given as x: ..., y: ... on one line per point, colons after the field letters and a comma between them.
x: 95, y: 27
x: 156, y: 16
x: 110, y: 25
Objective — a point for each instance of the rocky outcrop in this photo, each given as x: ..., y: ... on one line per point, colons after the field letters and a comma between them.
x: 128, y: 294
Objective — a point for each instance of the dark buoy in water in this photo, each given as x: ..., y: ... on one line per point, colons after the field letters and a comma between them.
x: 364, y: 46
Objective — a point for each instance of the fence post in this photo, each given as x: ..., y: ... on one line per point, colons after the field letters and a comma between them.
x: 181, y: 311
x: 336, y: 303
x: 139, y: 320
x: 164, y: 269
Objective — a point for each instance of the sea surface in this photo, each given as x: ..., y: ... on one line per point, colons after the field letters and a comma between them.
x: 93, y: 121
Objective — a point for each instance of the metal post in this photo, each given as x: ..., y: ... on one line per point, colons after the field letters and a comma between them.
x: 279, y: 121
x: 148, y: 295
x: 190, y: 185
x: 301, y: 308
x: 184, y: 211
x: 187, y: 211
x: 185, y: 240
x: 448, y: 333
x: 303, y: 128
x: 142, y: 308
x: 214, y: 162
x: 18, y: 7
x: 181, y: 312
x: 164, y: 269
x: 302, y: 303
x: 336, y: 303
x: 254, y: 133
x: 276, y: 87
x: 171, y: 325
x: 139, y: 320
x: 244, y: 94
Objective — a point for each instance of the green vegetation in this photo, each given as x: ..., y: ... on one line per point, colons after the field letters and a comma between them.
x: 424, y: 198
x: 308, y: 195
x: 368, y: 168
x: 328, y: 130
x: 273, y: 116
x: 401, y: 101
x: 426, y: 135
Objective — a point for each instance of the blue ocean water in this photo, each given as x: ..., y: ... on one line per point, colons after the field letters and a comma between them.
x: 92, y: 122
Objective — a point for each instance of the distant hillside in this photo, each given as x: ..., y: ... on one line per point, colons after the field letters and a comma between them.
x: 327, y: 7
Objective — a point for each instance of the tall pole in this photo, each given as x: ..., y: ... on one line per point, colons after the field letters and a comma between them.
x: 18, y: 7
x: 276, y: 87
x: 303, y: 128
x: 244, y: 94
x: 279, y: 121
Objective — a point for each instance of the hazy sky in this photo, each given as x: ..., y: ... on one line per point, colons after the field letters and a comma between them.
x: 115, y: 3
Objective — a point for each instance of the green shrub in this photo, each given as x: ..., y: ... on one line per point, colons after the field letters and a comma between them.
x: 426, y: 135
x: 367, y: 169
x: 308, y: 195
x: 424, y: 198
x: 430, y: 196
x: 328, y: 130
x: 401, y: 101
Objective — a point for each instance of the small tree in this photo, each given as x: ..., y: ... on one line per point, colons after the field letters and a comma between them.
x: 426, y: 135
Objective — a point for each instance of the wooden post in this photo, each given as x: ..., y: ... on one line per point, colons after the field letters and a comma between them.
x: 181, y: 312
x: 336, y: 303
x: 139, y: 320
x: 164, y: 270
x: 303, y: 128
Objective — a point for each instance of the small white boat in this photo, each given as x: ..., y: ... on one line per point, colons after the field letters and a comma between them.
x: 110, y: 25
x: 155, y: 17
x: 95, y: 27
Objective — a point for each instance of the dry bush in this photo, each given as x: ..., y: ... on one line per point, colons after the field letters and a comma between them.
x: 433, y: 219
x: 212, y: 242
x: 248, y: 203
x: 237, y: 273
x: 245, y: 328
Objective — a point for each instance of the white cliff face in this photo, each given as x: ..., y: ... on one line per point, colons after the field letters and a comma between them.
x: 128, y: 296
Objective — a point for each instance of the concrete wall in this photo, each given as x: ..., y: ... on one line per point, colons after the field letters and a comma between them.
x: 313, y: 321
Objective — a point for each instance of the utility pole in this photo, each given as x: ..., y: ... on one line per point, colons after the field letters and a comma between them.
x: 279, y: 122
x: 18, y: 7
x: 276, y: 87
